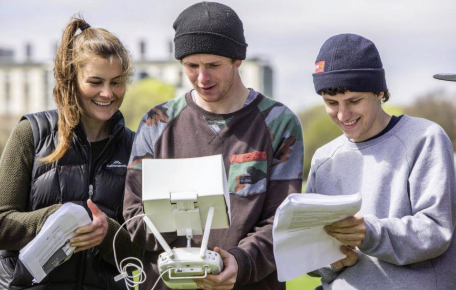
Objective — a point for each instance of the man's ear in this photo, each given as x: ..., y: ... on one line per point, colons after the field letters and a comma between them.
x: 380, y: 96
x: 238, y: 63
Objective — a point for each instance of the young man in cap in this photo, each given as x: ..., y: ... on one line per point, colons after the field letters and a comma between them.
x: 260, y: 140
x: 402, y: 166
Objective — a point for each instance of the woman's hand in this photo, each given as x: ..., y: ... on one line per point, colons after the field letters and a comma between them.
x: 93, y: 234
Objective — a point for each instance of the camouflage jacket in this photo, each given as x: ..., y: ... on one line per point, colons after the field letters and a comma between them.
x: 262, y: 148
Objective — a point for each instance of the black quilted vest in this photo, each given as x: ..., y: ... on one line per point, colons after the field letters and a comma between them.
x: 69, y: 180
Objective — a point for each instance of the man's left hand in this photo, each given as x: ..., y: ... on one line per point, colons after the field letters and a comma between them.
x: 224, y: 279
x: 350, y: 231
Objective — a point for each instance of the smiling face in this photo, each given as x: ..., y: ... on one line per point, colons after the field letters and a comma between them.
x: 358, y: 114
x: 100, y: 89
x: 212, y: 76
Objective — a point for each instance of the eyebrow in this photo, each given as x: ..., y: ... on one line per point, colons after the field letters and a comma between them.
x: 349, y: 99
x: 206, y: 63
x: 217, y: 62
x: 355, y: 97
x: 99, y: 78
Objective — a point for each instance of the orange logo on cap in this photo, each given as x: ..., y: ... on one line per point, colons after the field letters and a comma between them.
x: 320, y: 67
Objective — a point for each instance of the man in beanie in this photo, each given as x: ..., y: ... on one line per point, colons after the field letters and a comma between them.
x: 402, y: 166
x: 260, y: 140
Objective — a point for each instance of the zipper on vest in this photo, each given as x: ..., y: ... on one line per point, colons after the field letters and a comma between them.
x: 90, y: 191
x: 97, y: 160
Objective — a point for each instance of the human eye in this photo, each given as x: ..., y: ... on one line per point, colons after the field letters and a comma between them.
x: 191, y: 65
x: 95, y: 83
x: 355, y: 101
x: 331, y: 103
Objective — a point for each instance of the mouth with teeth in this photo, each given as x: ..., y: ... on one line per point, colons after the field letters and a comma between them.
x: 350, y: 124
x: 102, y: 104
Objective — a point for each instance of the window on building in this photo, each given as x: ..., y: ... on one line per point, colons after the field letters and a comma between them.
x: 7, y: 92
x: 48, y: 90
x: 26, y: 91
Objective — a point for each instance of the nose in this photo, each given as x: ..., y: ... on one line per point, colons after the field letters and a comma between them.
x: 203, y: 76
x: 343, y: 113
x: 106, y: 91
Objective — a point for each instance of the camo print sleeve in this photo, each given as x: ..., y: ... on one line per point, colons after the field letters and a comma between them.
x: 249, y: 172
x: 287, y: 140
x: 149, y: 131
x: 254, y: 253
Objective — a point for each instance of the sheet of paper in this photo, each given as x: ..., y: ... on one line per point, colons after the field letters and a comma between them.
x: 51, y: 246
x: 298, y: 232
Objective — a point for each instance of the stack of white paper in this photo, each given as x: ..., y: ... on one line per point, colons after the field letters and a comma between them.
x: 51, y: 246
x: 298, y: 232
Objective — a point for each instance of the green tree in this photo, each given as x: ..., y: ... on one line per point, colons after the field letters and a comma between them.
x: 141, y: 96
x: 393, y: 110
x: 318, y: 130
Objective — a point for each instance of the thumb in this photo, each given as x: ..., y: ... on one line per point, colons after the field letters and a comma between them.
x: 224, y: 254
x: 344, y: 250
x: 352, y: 257
x: 93, y: 208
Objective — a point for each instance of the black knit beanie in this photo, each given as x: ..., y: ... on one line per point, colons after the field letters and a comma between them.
x: 209, y: 28
x: 349, y: 61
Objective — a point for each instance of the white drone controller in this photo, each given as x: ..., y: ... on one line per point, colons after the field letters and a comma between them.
x: 188, y: 265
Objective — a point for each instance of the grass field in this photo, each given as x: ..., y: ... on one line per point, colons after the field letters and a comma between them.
x: 303, y: 283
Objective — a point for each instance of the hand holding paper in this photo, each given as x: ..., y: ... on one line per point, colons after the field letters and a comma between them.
x: 51, y: 246
x: 298, y: 231
x: 350, y: 231
x: 93, y: 234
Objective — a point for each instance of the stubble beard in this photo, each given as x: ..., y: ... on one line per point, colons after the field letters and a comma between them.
x: 225, y: 90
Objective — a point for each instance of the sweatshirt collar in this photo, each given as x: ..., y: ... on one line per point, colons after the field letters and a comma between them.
x: 201, y: 111
x: 361, y: 145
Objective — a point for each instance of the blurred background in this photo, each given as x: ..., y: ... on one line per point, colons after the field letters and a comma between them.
x: 415, y: 39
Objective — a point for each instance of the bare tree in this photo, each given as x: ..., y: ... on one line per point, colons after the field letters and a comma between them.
x: 437, y: 107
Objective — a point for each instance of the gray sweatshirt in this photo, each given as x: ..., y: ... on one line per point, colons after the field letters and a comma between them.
x: 408, y: 185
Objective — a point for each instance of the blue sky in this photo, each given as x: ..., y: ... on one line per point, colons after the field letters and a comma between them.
x: 416, y: 39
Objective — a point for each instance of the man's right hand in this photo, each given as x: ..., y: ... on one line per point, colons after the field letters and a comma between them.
x: 350, y: 260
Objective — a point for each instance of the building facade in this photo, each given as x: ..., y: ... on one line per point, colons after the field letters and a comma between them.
x: 26, y: 87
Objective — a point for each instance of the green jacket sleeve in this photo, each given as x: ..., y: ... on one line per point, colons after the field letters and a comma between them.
x: 19, y: 227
